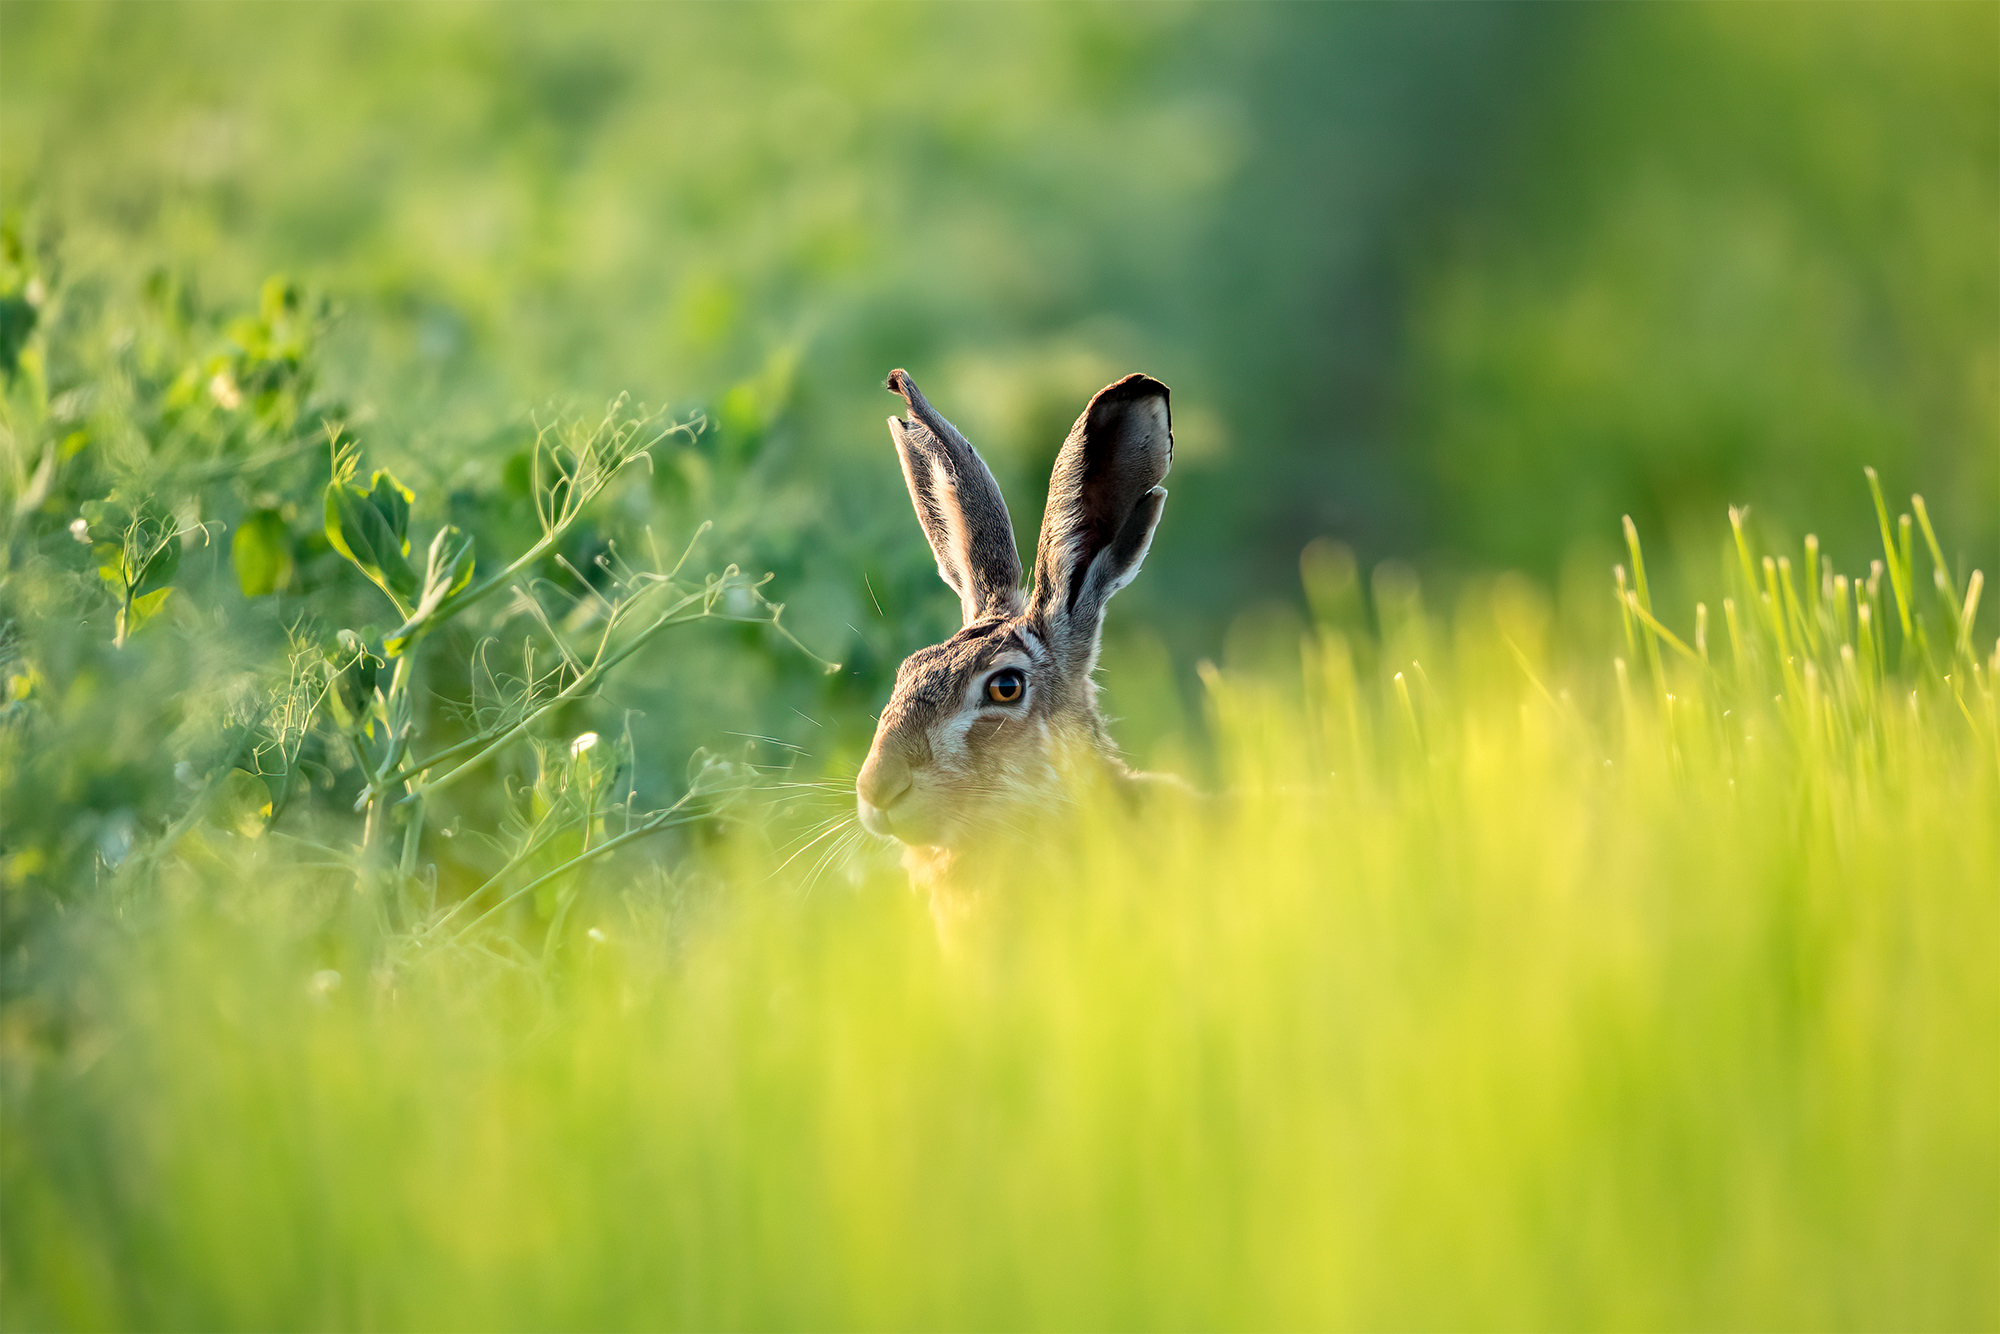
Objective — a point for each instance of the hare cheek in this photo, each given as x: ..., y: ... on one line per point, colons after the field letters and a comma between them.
x: 950, y: 746
x: 1002, y: 743
x: 1011, y: 750
x: 980, y: 734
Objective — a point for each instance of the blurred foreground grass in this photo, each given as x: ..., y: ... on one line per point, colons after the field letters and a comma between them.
x: 1502, y: 990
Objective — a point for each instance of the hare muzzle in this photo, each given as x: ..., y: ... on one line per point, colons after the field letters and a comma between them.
x: 883, y: 782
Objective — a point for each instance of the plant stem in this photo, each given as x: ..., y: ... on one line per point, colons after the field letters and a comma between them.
x: 663, y: 819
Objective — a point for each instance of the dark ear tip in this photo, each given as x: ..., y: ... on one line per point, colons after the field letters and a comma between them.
x: 1136, y: 385
x: 1134, y: 388
x: 899, y: 383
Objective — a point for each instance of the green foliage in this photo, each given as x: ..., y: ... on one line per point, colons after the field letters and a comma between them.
x: 1441, y: 290
x: 19, y: 304
x: 17, y: 321
x: 260, y: 551
x: 292, y: 711
x: 370, y: 526
x: 1760, y: 260
x: 447, y: 570
x: 138, y: 561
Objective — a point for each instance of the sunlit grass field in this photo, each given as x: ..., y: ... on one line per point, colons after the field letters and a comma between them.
x: 1509, y: 982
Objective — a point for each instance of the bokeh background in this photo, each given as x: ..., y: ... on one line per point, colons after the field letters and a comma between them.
x: 1454, y: 284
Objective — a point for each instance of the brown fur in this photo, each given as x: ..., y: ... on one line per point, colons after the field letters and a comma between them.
x: 950, y: 770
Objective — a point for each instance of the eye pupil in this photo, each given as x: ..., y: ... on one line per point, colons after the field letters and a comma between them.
x: 1005, y: 687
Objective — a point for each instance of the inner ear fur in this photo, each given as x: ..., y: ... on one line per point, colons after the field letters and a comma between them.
x: 959, y: 505
x: 1105, y: 499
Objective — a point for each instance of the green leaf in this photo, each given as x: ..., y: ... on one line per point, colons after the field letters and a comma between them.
x: 17, y: 321
x: 448, y: 570
x: 145, y: 608
x: 343, y: 717
x: 160, y: 566
x: 393, y: 499
x: 241, y: 802
x: 111, y: 565
x: 279, y: 297
x: 361, y: 532
x: 261, y: 551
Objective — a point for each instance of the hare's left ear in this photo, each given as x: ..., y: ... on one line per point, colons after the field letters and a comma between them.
x: 960, y: 507
x: 1104, y: 502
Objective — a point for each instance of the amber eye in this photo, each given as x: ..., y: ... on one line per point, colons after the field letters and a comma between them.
x: 1006, y: 687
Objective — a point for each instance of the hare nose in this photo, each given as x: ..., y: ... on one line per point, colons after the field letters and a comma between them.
x: 883, y: 779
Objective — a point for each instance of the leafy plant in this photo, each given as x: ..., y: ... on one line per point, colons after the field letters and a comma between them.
x: 338, y: 704
x: 581, y: 629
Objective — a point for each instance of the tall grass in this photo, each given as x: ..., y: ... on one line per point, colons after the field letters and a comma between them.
x: 1506, y: 986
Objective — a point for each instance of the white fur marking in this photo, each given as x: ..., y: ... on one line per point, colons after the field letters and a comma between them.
x: 957, y: 542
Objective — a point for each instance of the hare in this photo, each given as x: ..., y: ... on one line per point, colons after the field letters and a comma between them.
x: 994, y: 725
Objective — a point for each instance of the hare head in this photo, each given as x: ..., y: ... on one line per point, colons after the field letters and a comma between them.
x: 992, y: 723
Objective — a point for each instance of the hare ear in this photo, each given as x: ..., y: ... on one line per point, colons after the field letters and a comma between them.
x: 960, y: 507
x: 1104, y: 501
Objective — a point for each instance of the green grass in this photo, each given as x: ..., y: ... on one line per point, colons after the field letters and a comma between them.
x: 1506, y: 988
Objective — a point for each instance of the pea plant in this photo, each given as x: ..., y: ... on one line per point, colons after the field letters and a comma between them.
x: 138, y: 562
x: 433, y: 673
x: 367, y: 693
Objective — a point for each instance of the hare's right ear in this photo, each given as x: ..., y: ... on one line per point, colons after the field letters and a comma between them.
x: 959, y: 505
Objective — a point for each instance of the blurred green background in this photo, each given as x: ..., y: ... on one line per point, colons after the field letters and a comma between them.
x: 1456, y: 284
